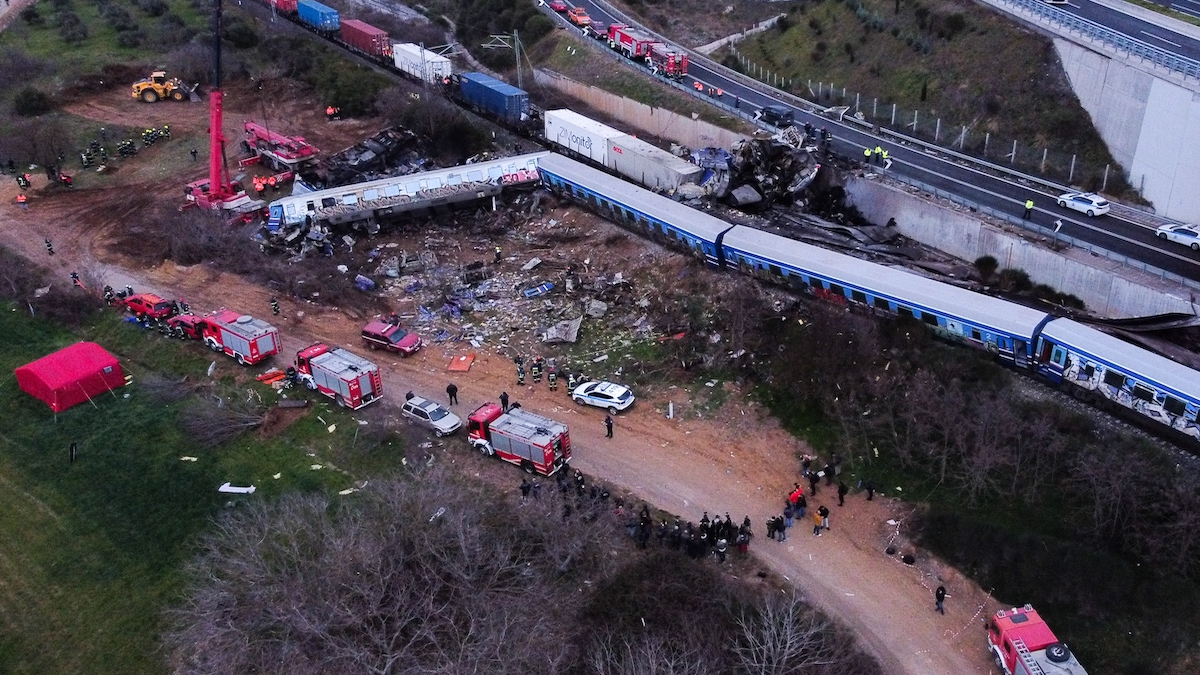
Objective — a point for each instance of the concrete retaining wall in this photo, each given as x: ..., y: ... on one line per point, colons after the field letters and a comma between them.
x: 1151, y: 126
x: 654, y: 121
x: 1108, y: 288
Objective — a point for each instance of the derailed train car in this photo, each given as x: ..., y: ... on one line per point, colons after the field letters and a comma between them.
x: 1115, y: 375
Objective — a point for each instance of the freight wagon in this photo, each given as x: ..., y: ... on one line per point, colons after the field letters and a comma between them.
x: 496, y: 98
x: 321, y: 18
x: 579, y: 135
x: 419, y: 63
x: 367, y: 39
x: 617, y: 151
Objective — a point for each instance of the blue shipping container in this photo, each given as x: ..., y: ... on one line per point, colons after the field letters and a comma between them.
x: 498, y: 98
x: 318, y: 16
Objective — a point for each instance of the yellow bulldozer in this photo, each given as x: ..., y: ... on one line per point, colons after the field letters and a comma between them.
x: 159, y: 87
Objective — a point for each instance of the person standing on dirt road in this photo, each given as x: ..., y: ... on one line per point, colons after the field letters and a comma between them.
x: 843, y: 490
x: 608, y: 424
x: 940, y: 596
x: 504, y: 401
x: 452, y: 393
x: 823, y: 512
x: 813, y: 480
x: 817, y: 523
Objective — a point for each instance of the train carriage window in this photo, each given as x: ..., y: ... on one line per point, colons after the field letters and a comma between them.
x: 370, y: 195
x: 350, y: 199
x: 495, y: 172
x: 475, y: 176
x: 1089, y: 370
x: 1114, y: 379
x: 858, y: 296
x: 929, y: 318
x: 882, y: 303
x: 312, y: 207
x: 412, y: 188
x: 435, y: 183
x: 1143, y: 392
x: 327, y: 202
x: 1175, y: 406
x: 797, y: 282
x: 905, y: 312
x: 391, y: 191
x: 976, y: 335
x: 817, y: 284
x: 775, y: 270
x: 837, y: 290
x: 454, y: 179
x: 291, y: 209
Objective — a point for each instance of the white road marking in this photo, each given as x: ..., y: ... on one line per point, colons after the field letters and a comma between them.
x: 1156, y: 37
x: 1185, y: 10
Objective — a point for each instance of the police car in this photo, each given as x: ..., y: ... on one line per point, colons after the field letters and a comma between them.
x: 1084, y: 202
x: 612, y: 397
x: 1188, y: 235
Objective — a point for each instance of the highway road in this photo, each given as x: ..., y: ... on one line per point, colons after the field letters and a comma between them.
x: 987, y: 189
x: 1137, y: 29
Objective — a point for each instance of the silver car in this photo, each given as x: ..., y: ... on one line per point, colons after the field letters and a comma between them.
x: 431, y: 415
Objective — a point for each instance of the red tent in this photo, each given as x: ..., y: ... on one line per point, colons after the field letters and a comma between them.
x: 71, y: 376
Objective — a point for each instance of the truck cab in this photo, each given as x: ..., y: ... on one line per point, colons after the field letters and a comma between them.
x: 1022, y: 644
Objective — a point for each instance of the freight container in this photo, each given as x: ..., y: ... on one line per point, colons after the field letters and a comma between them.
x: 580, y: 135
x: 648, y: 165
x: 320, y: 17
x: 420, y: 63
x: 285, y: 6
x: 366, y: 38
x: 498, y: 98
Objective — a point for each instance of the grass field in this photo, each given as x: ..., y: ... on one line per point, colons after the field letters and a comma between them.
x: 90, y: 552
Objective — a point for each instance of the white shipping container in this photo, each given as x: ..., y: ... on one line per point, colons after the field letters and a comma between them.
x: 649, y: 165
x: 420, y: 63
x: 581, y: 135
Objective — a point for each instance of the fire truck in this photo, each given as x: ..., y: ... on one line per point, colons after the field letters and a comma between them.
x: 1022, y: 644
x: 245, y: 338
x: 637, y: 44
x: 535, y: 443
x: 349, y: 379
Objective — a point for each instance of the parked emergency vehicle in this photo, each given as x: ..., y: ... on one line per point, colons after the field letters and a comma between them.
x: 348, y: 379
x: 245, y: 338
x: 535, y: 443
x: 146, y: 305
x: 1022, y: 644
x: 639, y: 45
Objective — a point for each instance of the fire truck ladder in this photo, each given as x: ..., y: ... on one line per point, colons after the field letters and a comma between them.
x: 1031, y: 665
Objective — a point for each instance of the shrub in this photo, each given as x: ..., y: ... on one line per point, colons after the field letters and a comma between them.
x: 537, y: 27
x: 130, y: 38
x: 31, y: 17
x: 152, y: 8
x: 240, y: 34
x: 986, y: 266
x: 31, y: 102
x: 1015, y: 280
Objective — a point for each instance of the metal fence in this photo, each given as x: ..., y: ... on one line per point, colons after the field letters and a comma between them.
x: 1057, y: 237
x: 1103, y: 34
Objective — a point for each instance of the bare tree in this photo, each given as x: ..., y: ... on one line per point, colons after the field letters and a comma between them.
x: 782, y: 636
x: 645, y: 654
x: 218, y: 419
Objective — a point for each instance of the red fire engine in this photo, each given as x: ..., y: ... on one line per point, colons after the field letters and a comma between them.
x: 349, y: 379
x: 535, y: 443
x: 245, y: 338
x: 637, y: 44
x: 1022, y: 644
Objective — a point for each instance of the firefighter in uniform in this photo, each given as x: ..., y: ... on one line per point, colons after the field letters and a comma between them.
x: 520, y: 374
x: 271, y: 182
x: 109, y: 295
x: 496, y: 259
x: 274, y: 306
x: 552, y: 375
x: 536, y: 370
x: 75, y: 280
x: 572, y: 381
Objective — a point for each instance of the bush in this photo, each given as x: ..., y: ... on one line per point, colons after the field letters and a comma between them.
x: 130, y: 38
x: 986, y: 266
x: 1015, y: 280
x: 31, y: 102
x: 240, y: 34
x: 31, y: 17
x: 537, y: 27
x: 152, y: 8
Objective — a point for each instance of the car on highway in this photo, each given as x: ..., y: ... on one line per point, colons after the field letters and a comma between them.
x: 558, y: 5
x: 612, y: 397
x: 380, y: 334
x: 1188, y: 235
x: 1085, y: 202
x: 777, y: 116
x: 579, y: 17
x: 430, y: 415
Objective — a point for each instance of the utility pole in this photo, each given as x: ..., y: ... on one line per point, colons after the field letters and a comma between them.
x: 512, y: 42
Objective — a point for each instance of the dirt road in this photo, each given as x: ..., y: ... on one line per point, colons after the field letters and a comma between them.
x: 738, y: 461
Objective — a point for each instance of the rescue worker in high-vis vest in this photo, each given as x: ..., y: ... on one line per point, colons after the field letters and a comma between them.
x: 520, y: 374
x: 552, y: 376
x: 536, y: 370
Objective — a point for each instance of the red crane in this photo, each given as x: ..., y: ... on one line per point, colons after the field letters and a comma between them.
x: 218, y: 191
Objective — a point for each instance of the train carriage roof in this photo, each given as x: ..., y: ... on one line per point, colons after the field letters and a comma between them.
x: 623, y: 192
x: 1131, y: 359
x: 903, y: 287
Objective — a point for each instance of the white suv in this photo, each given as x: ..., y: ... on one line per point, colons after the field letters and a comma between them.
x: 431, y: 415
